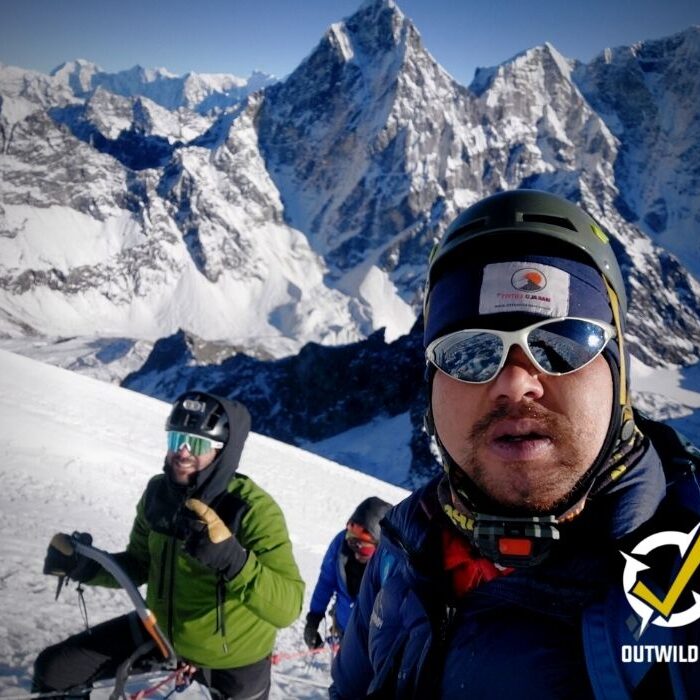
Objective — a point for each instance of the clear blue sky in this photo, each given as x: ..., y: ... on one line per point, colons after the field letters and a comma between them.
x: 239, y: 36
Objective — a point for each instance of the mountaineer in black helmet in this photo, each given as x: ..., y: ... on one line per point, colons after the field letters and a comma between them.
x: 502, y: 577
x: 214, y: 550
x: 342, y: 568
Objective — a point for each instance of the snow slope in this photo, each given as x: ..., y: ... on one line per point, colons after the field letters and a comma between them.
x: 78, y: 453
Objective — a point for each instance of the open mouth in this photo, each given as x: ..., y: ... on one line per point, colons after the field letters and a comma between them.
x: 521, y: 437
x: 184, y: 464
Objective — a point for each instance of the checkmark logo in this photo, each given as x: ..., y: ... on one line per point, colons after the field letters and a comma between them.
x: 688, y: 567
x: 648, y: 604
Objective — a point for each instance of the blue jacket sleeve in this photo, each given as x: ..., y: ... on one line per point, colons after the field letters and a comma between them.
x: 352, y: 670
x: 327, y: 583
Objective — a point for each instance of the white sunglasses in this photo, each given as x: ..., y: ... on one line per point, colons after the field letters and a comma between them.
x: 555, y: 346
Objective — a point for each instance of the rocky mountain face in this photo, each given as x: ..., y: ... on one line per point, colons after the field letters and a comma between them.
x: 304, y: 212
x: 648, y: 96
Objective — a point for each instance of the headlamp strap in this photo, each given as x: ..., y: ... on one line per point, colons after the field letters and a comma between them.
x: 506, y: 541
x: 517, y: 542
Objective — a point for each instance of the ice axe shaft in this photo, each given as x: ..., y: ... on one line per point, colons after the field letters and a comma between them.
x: 148, y: 619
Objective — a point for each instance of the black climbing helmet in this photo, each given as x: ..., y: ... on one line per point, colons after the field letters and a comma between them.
x: 201, y: 414
x: 531, y: 212
x: 369, y: 514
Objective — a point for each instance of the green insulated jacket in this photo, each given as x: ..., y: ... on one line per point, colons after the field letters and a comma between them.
x: 212, y: 622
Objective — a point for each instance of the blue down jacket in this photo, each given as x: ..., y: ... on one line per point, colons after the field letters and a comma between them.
x: 554, y: 630
x: 332, y: 580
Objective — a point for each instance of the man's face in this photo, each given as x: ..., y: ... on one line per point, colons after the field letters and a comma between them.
x: 525, y: 438
x: 183, y: 465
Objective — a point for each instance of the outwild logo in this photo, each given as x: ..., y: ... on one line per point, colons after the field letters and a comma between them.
x: 659, y: 607
x: 527, y: 279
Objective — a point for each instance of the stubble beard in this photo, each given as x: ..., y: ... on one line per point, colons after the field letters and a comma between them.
x: 529, y: 487
x: 188, y: 463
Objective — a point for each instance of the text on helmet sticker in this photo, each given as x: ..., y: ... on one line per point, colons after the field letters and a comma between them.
x: 524, y: 287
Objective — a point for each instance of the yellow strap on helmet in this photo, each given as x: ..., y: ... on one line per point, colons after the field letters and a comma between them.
x: 627, y: 414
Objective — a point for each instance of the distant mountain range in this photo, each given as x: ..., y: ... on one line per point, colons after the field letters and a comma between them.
x: 225, y: 217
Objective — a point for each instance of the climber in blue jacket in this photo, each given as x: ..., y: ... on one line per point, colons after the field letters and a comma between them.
x: 342, y: 569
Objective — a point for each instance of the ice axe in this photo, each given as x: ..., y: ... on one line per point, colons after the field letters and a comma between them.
x: 68, y: 545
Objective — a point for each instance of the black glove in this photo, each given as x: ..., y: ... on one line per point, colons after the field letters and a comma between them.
x: 62, y: 559
x: 212, y: 544
x: 312, y: 638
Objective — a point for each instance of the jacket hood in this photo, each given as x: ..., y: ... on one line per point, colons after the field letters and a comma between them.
x: 369, y: 513
x: 213, y: 481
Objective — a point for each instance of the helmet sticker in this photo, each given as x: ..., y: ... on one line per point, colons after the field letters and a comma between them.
x: 524, y: 287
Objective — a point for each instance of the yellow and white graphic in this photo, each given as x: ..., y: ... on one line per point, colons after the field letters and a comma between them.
x: 651, y: 607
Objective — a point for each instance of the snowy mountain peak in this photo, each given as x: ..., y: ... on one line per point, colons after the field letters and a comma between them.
x: 648, y: 95
x: 379, y: 5
x: 78, y: 75
x: 379, y: 26
x: 530, y: 63
x: 545, y: 55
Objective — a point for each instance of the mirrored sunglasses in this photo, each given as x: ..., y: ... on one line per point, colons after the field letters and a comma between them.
x: 196, y: 445
x: 555, y: 346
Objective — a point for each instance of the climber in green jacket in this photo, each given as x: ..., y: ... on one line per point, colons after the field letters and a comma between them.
x: 213, y: 548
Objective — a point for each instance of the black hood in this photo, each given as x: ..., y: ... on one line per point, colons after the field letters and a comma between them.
x: 369, y: 513
x: 212, y: 481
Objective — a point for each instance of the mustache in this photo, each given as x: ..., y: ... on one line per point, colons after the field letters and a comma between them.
x: 551, y: 423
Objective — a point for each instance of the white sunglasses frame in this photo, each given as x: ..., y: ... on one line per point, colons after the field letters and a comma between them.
x: 519, y: 338
x: 215, y: 444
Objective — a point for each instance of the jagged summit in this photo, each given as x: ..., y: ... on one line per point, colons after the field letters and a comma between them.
x: 377, y: 27
x: 378, y: 5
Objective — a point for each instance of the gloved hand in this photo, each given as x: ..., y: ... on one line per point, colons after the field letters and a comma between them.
x: 212, y: 544
x: 312, y: 638
x: 62, y: 559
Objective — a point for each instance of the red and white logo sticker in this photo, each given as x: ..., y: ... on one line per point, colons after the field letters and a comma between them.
x: 524, y: 287
x: 528, y: 279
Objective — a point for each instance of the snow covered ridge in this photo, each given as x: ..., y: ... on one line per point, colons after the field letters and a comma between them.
x: 78, y: 455
x: 200, y: 92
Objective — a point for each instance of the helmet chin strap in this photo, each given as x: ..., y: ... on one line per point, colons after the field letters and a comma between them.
x: 624, y: 400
